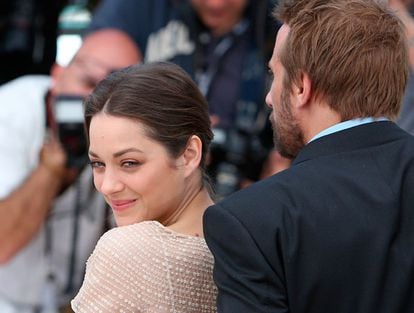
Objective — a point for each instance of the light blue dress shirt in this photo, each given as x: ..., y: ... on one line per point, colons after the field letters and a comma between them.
x: 347, y: 124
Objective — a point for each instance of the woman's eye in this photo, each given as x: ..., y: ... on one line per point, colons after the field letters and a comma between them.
x: 130, y: 164
x: 96, y: 164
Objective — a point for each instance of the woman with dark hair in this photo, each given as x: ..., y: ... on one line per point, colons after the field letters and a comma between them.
x: 149, y: 132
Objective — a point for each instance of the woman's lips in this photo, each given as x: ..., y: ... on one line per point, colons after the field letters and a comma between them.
x: 120, y: 205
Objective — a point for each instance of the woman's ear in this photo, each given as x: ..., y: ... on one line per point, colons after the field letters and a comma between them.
x: 192, y: 155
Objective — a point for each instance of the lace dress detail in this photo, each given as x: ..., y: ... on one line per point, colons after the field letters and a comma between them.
x: 147, y: 267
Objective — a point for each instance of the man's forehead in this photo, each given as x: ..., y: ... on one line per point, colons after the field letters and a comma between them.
x: 93, y: 63
x: 279, y: 43
x: 282, y: 34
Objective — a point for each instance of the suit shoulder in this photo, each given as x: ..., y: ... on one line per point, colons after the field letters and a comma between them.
x: 270, y: 196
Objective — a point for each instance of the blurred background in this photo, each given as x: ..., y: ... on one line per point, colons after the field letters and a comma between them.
x: 28, y: 33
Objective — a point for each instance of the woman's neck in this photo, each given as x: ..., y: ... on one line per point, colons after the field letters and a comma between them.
x: 190, y: 220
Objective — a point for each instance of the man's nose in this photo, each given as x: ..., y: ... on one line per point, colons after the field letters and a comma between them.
x: 268, y: 100
x: 215, y: 3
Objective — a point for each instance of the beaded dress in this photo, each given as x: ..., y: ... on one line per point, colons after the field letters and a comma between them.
x: 147, y: 267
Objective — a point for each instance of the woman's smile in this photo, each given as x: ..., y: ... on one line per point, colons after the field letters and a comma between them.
x: 121, y: 205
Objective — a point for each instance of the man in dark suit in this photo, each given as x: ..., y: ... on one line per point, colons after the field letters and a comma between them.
x: 335, y: 231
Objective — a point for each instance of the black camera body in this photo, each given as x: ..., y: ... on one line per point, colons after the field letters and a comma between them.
x: 234, y: 155
x: 239, y: 151
x: 70, y: 126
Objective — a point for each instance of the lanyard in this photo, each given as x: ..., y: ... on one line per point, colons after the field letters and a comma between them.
x: 49, y: 292
x: 205, y: 77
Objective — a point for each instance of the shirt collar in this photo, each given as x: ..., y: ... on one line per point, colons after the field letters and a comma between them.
x: 347, y: 124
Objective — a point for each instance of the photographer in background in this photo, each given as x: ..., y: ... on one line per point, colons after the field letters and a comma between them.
x: 224, y: 45
x: 50, y: 214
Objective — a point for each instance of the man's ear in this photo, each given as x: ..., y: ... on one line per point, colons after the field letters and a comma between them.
x: 56, y: 71
x: 303, y: 90
x: 192, y: 155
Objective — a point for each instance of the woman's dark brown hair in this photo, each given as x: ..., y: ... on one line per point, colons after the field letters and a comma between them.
x: 162, y: 97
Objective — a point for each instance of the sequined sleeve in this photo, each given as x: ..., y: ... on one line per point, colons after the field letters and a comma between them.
x: 146, y: 267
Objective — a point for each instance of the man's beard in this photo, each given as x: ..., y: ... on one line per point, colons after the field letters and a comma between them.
x: 287, y: 135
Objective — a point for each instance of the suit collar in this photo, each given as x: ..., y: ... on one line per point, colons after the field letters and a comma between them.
x: 363, y: 136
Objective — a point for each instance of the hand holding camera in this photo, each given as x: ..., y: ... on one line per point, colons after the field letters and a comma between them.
x: 53, y: 156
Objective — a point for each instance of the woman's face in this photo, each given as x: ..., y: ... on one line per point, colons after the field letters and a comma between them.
x: 137, y: 177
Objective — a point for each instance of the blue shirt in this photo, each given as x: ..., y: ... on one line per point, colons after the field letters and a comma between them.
x: 347, y: 124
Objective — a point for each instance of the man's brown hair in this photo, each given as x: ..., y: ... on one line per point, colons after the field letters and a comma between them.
x: 354, y: 52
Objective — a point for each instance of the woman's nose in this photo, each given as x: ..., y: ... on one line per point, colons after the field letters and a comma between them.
x: 110, y: 183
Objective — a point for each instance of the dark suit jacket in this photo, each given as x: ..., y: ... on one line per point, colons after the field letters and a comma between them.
x: 334, y: 233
